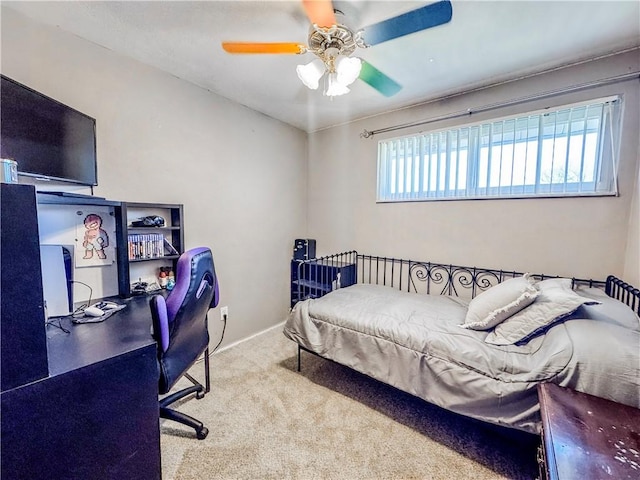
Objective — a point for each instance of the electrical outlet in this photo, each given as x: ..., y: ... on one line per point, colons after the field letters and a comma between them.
x: 224, y: 312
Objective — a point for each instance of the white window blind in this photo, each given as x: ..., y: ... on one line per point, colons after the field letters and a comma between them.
x: 567, y: 151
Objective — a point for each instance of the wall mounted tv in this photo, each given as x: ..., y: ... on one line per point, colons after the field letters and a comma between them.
x: 49, y: 140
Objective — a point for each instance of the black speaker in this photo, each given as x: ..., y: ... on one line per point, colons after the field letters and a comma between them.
x: 304, y: 249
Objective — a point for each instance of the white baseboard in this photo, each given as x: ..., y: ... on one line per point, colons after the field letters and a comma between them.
x: 242, y: 340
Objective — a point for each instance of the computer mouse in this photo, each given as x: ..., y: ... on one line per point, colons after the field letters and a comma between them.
x: 93, y: 312
x: 106, y: 306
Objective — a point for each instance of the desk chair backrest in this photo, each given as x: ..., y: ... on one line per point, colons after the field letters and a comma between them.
x: 180, y: 321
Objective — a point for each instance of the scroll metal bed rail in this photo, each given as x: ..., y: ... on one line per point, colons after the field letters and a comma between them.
x: 439, y: 278
x: 316, y: 280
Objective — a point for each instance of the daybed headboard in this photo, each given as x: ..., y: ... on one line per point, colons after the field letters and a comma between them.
x: 439, y: 278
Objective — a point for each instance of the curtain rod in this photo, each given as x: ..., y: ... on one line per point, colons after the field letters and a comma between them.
x: 508, y: 103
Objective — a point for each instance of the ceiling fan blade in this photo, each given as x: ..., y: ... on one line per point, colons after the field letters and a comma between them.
x: 414, y: 21
x: 247, y: 47
x: 378, y: 80
x: 320, y: 12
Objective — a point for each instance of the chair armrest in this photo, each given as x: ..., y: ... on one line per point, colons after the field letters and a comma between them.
x: 160, y: 321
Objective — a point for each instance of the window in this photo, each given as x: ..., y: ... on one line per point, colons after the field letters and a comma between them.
x: 569, y: 151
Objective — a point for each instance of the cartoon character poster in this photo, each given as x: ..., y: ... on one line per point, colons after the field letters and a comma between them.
x: 95, y: 237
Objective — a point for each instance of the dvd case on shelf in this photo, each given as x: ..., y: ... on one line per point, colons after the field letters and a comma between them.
x: 148, y: 246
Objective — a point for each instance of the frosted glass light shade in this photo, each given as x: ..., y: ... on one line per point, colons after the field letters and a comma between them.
x: 334, y: 87
x: 348, y: 69
x: 311, y: 73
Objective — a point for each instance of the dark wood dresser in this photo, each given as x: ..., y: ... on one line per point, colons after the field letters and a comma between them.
x: 586, y: 437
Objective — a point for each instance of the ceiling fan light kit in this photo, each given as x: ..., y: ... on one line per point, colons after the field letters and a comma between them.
x: 348, y: 69
x: 334, y: 44
x: 340, y: 70
x: 333, y: 47
x: 311, y: 73
x: 334, y: 88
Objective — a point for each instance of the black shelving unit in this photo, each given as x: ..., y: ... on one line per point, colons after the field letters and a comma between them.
x: 172, y: 231
x: 125, y: 212
x: 315, y: 278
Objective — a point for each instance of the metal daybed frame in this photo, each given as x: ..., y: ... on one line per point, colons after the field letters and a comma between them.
x: 426, y: 278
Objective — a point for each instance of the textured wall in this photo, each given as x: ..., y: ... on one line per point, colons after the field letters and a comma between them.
x: 566, y: 236
x: 239, y: 174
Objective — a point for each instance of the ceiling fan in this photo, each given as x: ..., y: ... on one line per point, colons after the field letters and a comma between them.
x: 333, y: 43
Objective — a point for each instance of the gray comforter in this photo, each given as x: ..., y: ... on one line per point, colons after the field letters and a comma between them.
x: 414, y: 342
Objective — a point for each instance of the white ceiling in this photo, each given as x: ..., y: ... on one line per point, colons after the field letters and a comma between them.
x: 485, y: 42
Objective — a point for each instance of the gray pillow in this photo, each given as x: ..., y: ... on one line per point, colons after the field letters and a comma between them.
x: 498, y: 303
x: 555, y: 302
x: 610, y: 310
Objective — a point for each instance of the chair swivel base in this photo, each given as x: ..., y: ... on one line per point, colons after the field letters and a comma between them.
x: 170, y: 414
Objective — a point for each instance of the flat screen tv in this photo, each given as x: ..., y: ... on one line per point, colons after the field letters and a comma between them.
x: 49, y: 140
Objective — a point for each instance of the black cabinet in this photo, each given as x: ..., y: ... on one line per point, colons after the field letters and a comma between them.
x: 96, y: 422
x: 80, y: 401
x: 315, y: 278
x: 22, y: 330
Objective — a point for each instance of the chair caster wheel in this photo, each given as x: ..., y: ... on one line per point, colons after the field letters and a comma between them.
x: 202, y: 433
x: 199, y: 395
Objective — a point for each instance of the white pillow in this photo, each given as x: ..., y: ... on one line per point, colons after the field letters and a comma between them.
x: 555, y: 302
x: 498, y: 303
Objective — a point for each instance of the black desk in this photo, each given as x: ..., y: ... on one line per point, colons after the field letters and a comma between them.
x: 125, y: 331
x: 96, y: 415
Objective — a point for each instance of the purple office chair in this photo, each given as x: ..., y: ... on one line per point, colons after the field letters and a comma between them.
x: 180, y: 328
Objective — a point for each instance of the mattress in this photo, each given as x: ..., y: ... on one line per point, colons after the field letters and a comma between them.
x: 415, y: 343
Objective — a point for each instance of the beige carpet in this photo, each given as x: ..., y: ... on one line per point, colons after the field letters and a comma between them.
x: 267, y: 421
